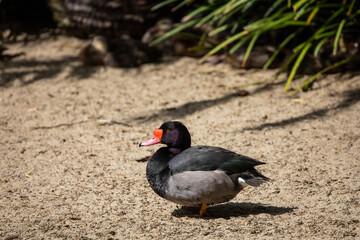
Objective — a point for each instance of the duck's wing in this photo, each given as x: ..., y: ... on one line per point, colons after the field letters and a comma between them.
x: 206, y: 158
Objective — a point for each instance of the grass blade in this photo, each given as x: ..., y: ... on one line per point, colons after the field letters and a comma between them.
x: 319, y: 45
x: 234, y: 28
x: 226, y: 42
x: 247, y: 6
x: 304, y: 9
x: 322, y: 35
x: 312, y: 15
x: 289, y: 3
x: 281, y: 46
x: 287, y: 63
x: 211, y: 15
x: 197, y: 48
x: 231, y: 6
x: 350, y: 7
x: 201, y: 38
x: 174, y: 31
x: 240, y: 43
x: 250, y: 47
x: 298, y: 4
x: 306, y: 84
x: 184, y: 2
x: 272, y: 8
x: 297, y: 64
x: 217, y: 30
x: 196, y: 12
x: 337, y: 37
x: 161, y: 4
x: 337, y: 13
x: 225, y: 17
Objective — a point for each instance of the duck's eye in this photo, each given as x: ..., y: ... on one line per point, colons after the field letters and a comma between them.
x: 168, y: 130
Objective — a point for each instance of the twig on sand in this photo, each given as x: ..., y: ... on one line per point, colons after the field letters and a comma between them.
x: 7, y: 129
x: 105, y: 122
x: 59, y: 125
x: 100, y: 121
x: 40, y: 152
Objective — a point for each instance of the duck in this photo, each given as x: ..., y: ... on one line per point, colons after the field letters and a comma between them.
x: 197, y: 175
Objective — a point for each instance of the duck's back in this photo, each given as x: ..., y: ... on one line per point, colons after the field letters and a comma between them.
x: 207, y: 158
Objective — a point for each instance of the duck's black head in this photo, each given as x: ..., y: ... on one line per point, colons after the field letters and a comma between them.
x: 174, y: 134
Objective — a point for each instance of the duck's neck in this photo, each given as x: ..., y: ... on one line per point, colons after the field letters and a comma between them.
x: 176, y: 150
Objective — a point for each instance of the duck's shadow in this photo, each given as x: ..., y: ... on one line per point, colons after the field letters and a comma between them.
x: 232, y: 209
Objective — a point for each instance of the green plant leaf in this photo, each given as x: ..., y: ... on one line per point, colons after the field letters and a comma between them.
x: 291, y: 23
x: 247, y: 6
x: 350, y: 7
x: 232, y: 6
x: 289, y: 3
x: 297, y: 64
x: 272, y: 8
x: 269, y: 23
x: 240, y: 43
x: 211, y: 15
x: 217, y: 30
x: 250, y: 47
x: 319, y: 45
x: 190, y: 35
x: 226, y: 42
x: 226, y: 16
x: 287, y: 63
x: 234, y: 28
x: 281, y: 46
x: 174, y: 31
x: 307, y: 83
x: 304, y: 9
x: 161, y: 4
x: 322, y: 35
x: 197, y: 48
x: 312, y: 15
x: 337, y: 37
x: 202, y: 38
x: 337, y: 13
x: 196, y: 12
x: 298, y: 4
x: 183, y: 3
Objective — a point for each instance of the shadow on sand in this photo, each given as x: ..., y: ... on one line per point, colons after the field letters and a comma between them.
x: 188, y: 108
x: 350, y: 98
x: 232, y: 209
x: 29, y: 71
x: 35, y: 70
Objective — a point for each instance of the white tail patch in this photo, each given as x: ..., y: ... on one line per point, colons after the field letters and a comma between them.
x: 242, y: 182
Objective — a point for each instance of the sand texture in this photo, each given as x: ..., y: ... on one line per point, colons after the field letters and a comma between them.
x: 71, y: 167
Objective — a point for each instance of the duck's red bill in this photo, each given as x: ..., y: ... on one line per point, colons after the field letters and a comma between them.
x: 154, y: 140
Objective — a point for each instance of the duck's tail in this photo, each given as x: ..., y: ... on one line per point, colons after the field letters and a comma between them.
x: 251, y: 177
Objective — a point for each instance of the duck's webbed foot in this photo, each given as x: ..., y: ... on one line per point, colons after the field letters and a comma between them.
x: 202, y: 209
x: 201, y: 213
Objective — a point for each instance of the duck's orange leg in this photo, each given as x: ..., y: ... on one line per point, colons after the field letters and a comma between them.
x: 203, y: 209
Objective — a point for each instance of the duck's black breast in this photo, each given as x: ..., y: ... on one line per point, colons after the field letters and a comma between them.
x: 158, y: 172
x: 207, y: 158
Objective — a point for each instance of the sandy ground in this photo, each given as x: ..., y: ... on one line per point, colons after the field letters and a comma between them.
x: 68, y: 172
